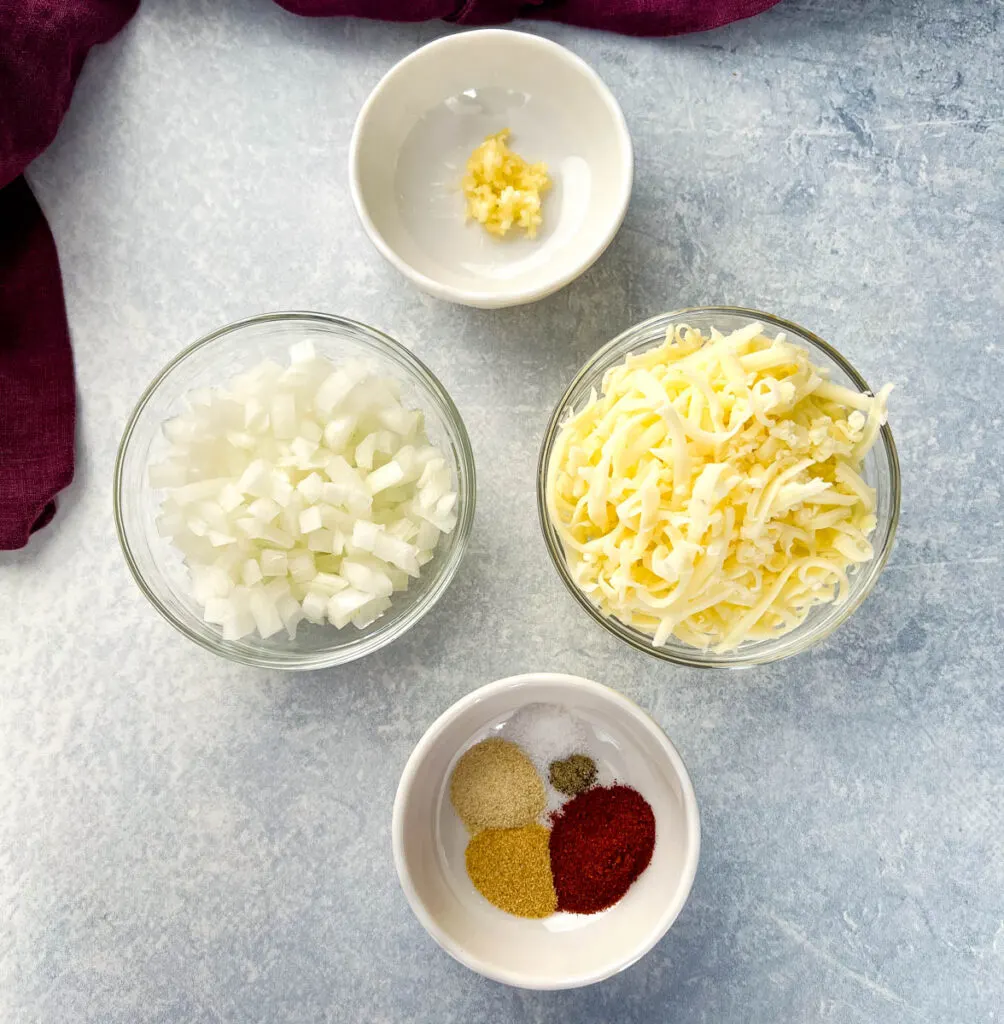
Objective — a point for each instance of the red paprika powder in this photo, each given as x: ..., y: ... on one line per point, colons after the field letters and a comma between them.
x: 601, y: 841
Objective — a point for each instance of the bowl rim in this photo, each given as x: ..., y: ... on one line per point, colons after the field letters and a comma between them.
x: 473, y: 297
x: 738, y: 658
x: 572, y: 683
x: 462, y: 532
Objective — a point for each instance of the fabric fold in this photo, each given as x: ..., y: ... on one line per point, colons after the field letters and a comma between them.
x: 629, y: 17
x: 37, y: 391
x: 43, y: 44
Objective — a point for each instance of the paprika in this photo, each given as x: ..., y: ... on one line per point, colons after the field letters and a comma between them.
x: 601, y: 841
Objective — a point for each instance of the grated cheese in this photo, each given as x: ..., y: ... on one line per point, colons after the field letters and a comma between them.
x: 714, y: 491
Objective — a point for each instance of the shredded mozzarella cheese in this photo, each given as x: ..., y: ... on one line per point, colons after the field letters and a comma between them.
x: 714, y: 491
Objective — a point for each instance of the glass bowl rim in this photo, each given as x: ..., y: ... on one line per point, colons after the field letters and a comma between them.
x: 697, y: 657
x: 337, y: 655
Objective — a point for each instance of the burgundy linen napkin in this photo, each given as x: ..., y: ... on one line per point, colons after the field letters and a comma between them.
x: 42, y: 47
x: 630, y: 17
x: 37, y: 396
x: 43, y: 44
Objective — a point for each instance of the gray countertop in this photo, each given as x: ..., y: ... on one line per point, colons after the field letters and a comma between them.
x: 188, y: 840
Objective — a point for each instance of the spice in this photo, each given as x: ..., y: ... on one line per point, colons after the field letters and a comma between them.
x: 511, y: 868
x: 601, y: 841
x: 547, y: 733
x: 495, y: 785
x: 573, y: 775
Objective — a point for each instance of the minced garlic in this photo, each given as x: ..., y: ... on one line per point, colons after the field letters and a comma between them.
x: 502, y: 190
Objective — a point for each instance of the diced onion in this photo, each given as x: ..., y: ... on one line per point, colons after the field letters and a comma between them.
x: 305, y: 492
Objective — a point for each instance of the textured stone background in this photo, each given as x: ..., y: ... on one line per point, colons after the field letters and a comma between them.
x: 185, y: 840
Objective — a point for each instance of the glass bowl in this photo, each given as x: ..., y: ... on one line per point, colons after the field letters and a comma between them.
x: 881, y: 471
x: 213, y: 361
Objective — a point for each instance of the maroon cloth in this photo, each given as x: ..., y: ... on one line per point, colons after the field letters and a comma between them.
x: 42, y: 47
x: 43, y: 44
x: 630, y: 17
x: 37, y: 396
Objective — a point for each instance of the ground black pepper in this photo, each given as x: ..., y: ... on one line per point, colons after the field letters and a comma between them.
x: 573, y: 775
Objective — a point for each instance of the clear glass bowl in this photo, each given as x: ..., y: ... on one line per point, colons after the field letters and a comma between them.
x: 881, y: 470
x: 213, y: 361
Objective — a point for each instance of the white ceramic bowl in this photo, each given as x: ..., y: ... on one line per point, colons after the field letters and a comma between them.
x: 564, y: 950
x: 421, y: 123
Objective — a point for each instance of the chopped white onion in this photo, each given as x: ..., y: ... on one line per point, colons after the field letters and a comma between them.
x: 274, y: 563
x: 308, y: 492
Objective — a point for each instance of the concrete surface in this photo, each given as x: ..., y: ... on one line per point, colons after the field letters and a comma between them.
x: 186, y: 840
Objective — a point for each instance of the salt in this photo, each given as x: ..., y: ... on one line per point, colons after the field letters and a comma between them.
x: 546, y: 733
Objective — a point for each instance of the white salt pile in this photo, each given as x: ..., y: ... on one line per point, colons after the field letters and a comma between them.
x: 546, y: 733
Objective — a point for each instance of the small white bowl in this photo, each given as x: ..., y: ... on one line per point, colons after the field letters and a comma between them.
x: 564, y: 950
x: 420, y: 124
